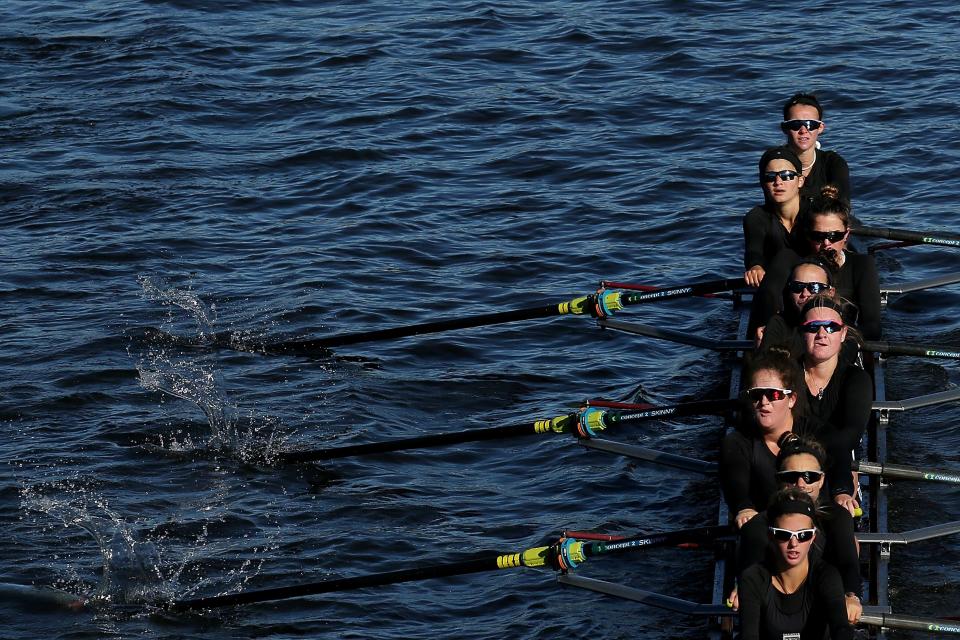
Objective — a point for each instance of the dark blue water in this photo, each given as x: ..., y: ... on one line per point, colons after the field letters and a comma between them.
x: 281, y: 169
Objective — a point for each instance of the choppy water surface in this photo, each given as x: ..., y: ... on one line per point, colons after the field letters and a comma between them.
x: 297, y: 169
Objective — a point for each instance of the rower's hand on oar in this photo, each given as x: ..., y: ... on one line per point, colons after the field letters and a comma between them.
x: 854, y: 608
x: 760, y: 331
x: 744, y: 516
x: 848, y: 502
x: 754, y: 275
x: 733, y: 600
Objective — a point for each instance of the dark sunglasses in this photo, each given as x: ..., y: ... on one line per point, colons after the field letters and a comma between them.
x: 792, y: 477
x: 784, y: 535
x: 813, y: 326
x: 824, y: 236
x: 785, y: 175
x: 796, y: 125
x: 772, y: 394
x: 795, y: 286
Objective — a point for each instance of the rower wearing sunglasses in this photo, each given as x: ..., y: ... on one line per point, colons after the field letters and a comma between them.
x: 811, y: 276
x: 802, y: 124
x: 769, y: 228
x: 826, y: 228
x: 774, y: 399
x: 837, y: 393
x: 800, y: 464
x: 791, y: 594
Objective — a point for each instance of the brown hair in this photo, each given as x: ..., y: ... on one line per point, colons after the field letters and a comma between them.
x: 826, y: 260
x: 778, y: 360
x: 792, y: 445
x: 847, y: 311
x: 828, y: 202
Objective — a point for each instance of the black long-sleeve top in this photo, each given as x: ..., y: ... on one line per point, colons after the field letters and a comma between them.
x: 857, y: 282
x: 829, y: 168
x: 818, y: 604
x: 764, y: 235
x: 841, y: 412
x: 748, y: 469
x: 835, y: 543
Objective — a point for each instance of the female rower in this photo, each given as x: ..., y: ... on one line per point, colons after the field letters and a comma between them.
x: 827, y: 229
x: 838, y: 394
x: 811, y: 276
x: 791, y: 595
x: 748, y: 459
x: 802, y: 124
x: 800, y: 464
x: 768, y: 228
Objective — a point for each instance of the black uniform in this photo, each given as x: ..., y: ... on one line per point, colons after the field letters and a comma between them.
x: 857, y: 282
x: 829, y: 168
x: 842, y: 409
x: 748, y: 469
x: 764, y: 235
x: 767, y: 614
x: 835, y: 543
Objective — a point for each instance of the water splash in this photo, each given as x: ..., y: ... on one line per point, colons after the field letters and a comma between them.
x: 185, y: 377
x: 203, y: 388
x: 131, y: 568
x: 135, y: 576
x: 159, y: 289
x: 258, y: 441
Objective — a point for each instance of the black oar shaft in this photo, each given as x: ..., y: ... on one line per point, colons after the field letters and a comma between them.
x: 559, y: 424
x: 306, y: 347
x: 578, y: 306
x: 908, y: 236
x: 339, y: 584
x: 909, y: 350
x: 666, y: 539
x: 893, y: 621
x: 419, y: 442
x: 906, y: 473
x: 533, y: 557
x: 696, y: 408
x: 682, y: 291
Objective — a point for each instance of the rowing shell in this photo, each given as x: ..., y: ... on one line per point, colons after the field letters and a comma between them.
x: 875, y: 513
x: 872, y: 534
